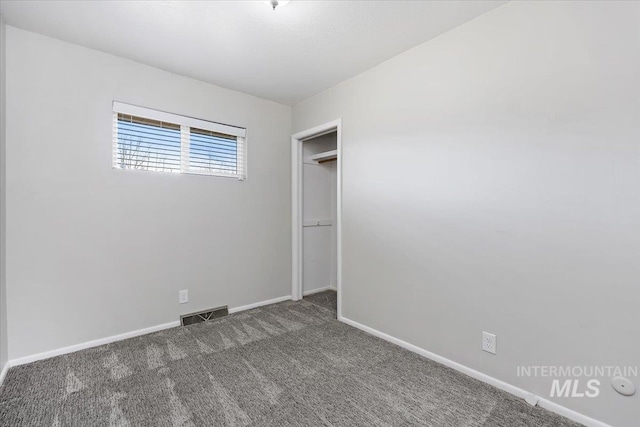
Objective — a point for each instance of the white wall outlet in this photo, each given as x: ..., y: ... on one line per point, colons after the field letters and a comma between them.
x: 489, y: 342
x: 183, y: 296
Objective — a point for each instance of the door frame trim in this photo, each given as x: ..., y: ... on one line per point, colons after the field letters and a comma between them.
x: 296, y: 207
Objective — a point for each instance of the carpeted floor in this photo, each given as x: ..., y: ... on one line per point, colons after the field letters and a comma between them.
x: 327, y: 299
x: 289, y: 364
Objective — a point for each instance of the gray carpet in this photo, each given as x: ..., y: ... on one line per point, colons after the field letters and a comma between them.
x: 289, y: 364
x: 327, y: 299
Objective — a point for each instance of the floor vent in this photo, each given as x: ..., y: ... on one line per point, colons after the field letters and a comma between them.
x: 203, y: 316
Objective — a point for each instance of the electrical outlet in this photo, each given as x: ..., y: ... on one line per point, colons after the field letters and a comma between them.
x: 489, y: 342
x: 183, y: 296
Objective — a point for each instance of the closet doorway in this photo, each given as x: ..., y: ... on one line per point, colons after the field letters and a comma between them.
x: 316, y: 215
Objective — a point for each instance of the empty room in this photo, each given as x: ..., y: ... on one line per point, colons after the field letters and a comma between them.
x: 319, y: 213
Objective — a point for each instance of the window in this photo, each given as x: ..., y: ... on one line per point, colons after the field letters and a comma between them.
x: 152, y: 140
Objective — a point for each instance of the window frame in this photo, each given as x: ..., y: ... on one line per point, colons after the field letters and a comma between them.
x: 185, y: 123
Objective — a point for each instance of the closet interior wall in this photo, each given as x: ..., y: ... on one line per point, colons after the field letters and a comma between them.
x: 319, y: 216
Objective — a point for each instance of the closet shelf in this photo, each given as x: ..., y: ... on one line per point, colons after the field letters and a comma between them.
x: 322, y: 157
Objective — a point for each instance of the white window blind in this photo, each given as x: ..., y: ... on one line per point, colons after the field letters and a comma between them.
x: 146, y: 139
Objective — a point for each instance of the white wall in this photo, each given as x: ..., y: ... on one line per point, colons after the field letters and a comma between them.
x: 319, y: 203
x: 3, y: 288
x: 492, y: 182
x: 93, y: 251
x: 333, y: 267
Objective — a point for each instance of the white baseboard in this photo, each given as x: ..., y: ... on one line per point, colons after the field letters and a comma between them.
x: 509, y: 388
x: 3, y: 373
x: 259, y: 304
x: 317, y: 291
x: 119, y: 337
x: 89, y: 344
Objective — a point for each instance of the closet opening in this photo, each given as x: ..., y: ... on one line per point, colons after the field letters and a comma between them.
x: 316, y: 219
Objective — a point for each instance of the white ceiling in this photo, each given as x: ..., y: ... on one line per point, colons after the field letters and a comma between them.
x: 286, y: 56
